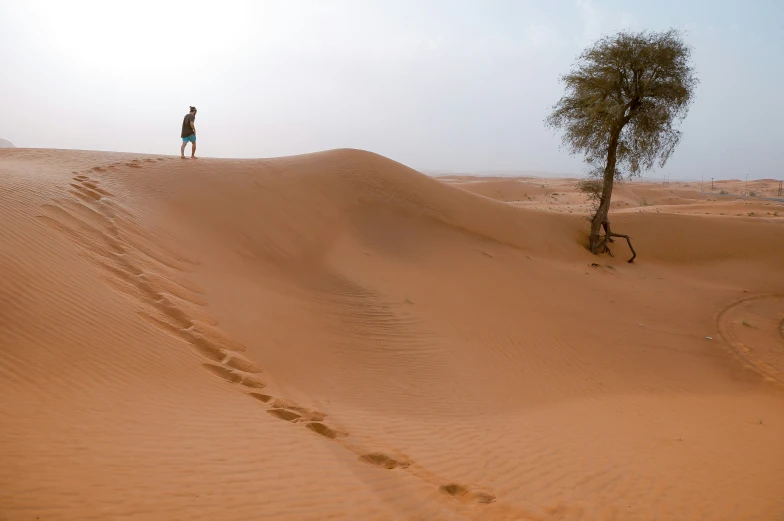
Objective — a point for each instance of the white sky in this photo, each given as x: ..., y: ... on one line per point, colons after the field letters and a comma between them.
x: 444, y: 85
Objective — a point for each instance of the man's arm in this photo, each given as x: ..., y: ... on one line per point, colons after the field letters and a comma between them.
x: 193, y: 127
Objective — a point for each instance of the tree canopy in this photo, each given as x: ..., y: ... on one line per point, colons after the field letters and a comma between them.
x: 640, y: 84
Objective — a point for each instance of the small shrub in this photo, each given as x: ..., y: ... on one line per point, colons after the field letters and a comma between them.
x: 591, y: 187
x: 752, y: 194
x: 723, y: 192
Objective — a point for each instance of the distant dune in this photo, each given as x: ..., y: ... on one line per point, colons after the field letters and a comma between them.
x: 338, y: 336
x: 6, y: 144
x: 496, y: 173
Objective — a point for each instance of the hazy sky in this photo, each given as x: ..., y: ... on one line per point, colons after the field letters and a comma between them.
x: 445, y: 85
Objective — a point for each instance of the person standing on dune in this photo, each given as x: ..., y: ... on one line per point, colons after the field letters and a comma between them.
x: 189, y: 133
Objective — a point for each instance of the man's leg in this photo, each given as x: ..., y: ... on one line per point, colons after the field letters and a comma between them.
x: 182, y: 149
x: 193, y: 152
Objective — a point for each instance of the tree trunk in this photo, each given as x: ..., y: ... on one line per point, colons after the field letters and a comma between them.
x: 597, y: 243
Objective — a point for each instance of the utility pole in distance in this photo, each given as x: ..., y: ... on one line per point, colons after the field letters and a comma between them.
x: 711, y: 184
x: 745, y: 185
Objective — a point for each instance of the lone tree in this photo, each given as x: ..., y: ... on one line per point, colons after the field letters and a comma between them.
x: 623, y: 98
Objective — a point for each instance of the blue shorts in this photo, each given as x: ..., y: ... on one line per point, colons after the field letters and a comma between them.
x: 191, y: 138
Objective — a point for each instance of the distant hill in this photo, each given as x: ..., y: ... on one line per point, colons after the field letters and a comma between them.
x: 6, y: 144
x: 497, y: 173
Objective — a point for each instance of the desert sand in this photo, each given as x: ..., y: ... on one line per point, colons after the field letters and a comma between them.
x: 338, y: 336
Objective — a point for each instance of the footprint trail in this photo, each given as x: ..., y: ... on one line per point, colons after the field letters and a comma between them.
x: 156, y: 278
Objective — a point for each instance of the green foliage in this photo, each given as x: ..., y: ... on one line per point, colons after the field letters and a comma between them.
x: 626, y: 92
x: 592, y: 187
x: 593, y: 184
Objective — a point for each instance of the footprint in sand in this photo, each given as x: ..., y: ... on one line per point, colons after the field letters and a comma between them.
x: 284, y: 414
x: 242, y: 364
x: 382, y: 460
x: 287, y: 411
x: 457, y: 491
x: 234, y: 377
x: 466, y: 495
x: 222, y: 372
x: 324, y: 430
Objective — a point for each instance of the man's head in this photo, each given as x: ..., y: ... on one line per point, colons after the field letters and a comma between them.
x: 193, y: 110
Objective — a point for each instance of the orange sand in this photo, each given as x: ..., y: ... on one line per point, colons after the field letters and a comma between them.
x: 337, y: 336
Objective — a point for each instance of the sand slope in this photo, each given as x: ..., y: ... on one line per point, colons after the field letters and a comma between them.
x: 336, y: 336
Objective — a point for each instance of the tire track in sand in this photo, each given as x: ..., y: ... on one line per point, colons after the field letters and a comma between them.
x: 753, y: 328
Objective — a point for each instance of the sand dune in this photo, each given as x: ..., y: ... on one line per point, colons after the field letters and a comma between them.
x: 6, y: 144
x: 337, y: 336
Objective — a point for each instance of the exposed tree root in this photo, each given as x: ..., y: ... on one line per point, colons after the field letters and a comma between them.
x: 603, y: 240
